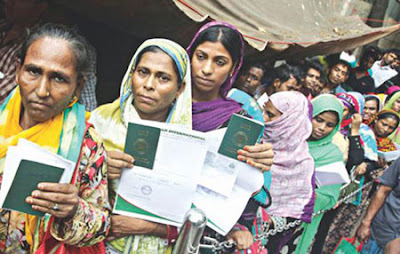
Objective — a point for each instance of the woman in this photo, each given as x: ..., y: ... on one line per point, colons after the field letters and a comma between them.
x: 371, y: 108
x: 51, y: 73
x: 156, y: 87
x: 346, y: 216
x: 385, y: 123
x: 393, y: 103
x: 287, y: 128
x: 216, y: 53
x: 327, y: 114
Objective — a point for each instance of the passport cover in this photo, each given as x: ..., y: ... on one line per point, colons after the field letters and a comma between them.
x: 141, y: 142
x: 242, y: 131
x: 29, y: 175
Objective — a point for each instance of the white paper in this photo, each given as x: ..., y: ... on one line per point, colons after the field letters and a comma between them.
x: 27, y: 150
x: 389, y: 156
x: 334, y: 173
x: 223, y: 211
x: 168, y: 190
x: 381, y: 74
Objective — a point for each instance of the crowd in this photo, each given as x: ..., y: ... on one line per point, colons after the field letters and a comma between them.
x: 320, y: 112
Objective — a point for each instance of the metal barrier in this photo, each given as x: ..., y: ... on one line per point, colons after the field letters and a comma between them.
x: 191, y: 232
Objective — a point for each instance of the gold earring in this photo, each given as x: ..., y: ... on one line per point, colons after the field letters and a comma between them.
x: 73, y: 100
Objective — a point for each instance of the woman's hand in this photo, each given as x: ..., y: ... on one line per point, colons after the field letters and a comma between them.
x: 356, y: 121
x: 243, y: 239
x: 361, y: 169
x: 116, y: 161
x: 260, y: 156
x: 122, y: 226
x: 382, y: 162
x: 58, y: 199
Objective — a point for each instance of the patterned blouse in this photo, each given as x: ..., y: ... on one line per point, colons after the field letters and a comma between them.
x: 91, y: 221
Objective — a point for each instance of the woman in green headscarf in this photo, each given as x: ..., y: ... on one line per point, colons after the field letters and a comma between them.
x: 327, y: 116
x: 394, y: 104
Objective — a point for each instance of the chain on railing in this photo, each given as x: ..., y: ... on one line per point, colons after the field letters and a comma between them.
x: 216, y: 246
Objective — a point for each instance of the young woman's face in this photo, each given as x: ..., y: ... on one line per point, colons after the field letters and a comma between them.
x: 396, y: 105
x: 370, y: 109
x: 211, y: 66
x: 155, y: 85
x: 384, y: 127
x: 271, y: 113
x: 323, y: 125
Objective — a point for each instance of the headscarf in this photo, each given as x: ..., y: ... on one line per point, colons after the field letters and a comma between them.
x: 292, y: 171
x: 385, y: 144
x: 394, y: 97
x: 350, y: 102
x: 111, y: 121
x: 379, y: 107
x: 324, y: 152
x: 395, y: 136
x: 367, y: 135
x: 212, y: 114
x: 62, y: 134
x: 393, y: 89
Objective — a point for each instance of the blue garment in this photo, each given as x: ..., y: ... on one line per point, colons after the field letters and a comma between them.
x: 249, y: 104
x: 371, y: 247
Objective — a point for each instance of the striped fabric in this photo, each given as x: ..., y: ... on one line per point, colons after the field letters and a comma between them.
x: 8, y: 57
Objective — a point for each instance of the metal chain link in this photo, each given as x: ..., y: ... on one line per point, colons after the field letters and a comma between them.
x: 216, y: 246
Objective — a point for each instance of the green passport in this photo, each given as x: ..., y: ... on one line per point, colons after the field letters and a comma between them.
x: 242, y: 131
x: 141, y: 142
x: 29, y: 175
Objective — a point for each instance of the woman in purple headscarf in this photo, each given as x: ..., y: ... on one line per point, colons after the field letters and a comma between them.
x: 216, y: 53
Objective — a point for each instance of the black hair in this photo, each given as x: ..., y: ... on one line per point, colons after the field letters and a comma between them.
x: 373, y: 98
x: 331, y: 111
x: 323, y: 79
x: 283, y: 72
x: 371, y: 51
x: 312, y: 64
x: 78, y: 44
x: 227, y: 36
x: 394, y: 51
x: 246, y: 66
x: 156, y: 49
x: 389, y: 114
x: 341, y: 62
x: 298, y: 73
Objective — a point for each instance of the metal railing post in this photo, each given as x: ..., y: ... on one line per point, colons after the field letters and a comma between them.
x: 191, y: 232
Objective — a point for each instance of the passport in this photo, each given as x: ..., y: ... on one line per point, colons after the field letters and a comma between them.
x: 141, y: 142
x: 241, y: 131
x: 29, y: 174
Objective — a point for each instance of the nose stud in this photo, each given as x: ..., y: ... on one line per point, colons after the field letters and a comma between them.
x: 48, y: 93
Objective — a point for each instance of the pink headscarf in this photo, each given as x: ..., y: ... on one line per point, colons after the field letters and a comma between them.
x: 292, y: 173
x: 393, y: 89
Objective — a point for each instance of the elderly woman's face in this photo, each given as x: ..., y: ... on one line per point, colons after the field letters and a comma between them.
x: 47, y: 80
x: 155, y: 85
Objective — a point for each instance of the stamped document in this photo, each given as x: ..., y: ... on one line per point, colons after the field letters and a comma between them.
x: 228, y: 176
x: 163, y: 188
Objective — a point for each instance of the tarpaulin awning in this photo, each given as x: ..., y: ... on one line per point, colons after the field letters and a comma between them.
x: 273, y: 28
x: 289, y: 29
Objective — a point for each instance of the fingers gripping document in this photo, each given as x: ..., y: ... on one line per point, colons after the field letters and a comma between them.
x: 185, y: 170
x: 222, y: 210
x: 163, y: 189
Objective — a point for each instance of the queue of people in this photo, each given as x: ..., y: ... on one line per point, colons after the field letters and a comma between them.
x: 312, y: 118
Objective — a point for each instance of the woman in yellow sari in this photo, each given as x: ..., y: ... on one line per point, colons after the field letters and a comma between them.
x: 43, y: 109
